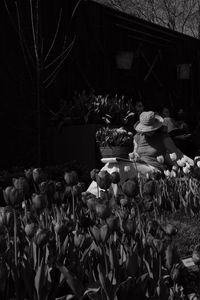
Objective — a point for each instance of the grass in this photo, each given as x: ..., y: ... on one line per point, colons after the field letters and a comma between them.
x: 188, y: 234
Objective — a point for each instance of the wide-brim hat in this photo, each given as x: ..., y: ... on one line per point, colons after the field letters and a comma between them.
x: 149, y: 121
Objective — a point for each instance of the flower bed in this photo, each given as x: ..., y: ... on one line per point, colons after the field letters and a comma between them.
x: 56, y: 239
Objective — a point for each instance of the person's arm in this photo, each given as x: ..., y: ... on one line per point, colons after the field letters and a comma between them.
x: 171, y: 148
x: 134, y: 154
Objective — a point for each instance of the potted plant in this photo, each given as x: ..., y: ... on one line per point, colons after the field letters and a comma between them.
x: 114, y: 142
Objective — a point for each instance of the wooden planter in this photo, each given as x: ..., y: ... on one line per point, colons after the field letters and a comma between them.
x: 115, y: 151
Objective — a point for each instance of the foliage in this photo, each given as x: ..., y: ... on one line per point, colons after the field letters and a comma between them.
x: 106, y: 137
x: 178, y: 15
x: 88, y: 108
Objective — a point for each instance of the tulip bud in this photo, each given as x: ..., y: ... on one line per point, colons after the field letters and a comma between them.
x: 130, y: 188
x: 129, y: 226
x: 29, y: 174
x: 158, y: 244
x: 47, y: 187
x: 104, y: 180
x: 21, y: 184
x: 104, y: 233
x: 125, y: 201
x: 173, y: 156
x: 12, y: 196
x: 149, y: 187
x: 170, y: 230
x: 91, y: 202
x: 6, y: 217
x: 160, y: 159
x: 39, y: 201
x: 71, y: 178
x: 78, y: 239
x: 175, y: 274
x: 181, y: 163
x: 196, y: 255
x: 93, y: 174
x: 30, y: 229
x: 102, y: 210
x: 42, y: 237
x: 115, y: 177
x: 167, y: 173
x: 112, y: 222
x: 38, y: 175
x: 96, y: 233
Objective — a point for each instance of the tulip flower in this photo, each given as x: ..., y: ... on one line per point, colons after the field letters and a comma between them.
x: 170, y: 230
x: 93, y: 174
x: 181, y: 163
x: 115, y: 177
x: 104, y: 180
x: 198, y: 164
x: 38, y: 175
x: 39, y: 201
x: 196, y: 255
x: 29, y: 174
x: 30, y: 229
x: 47, y: 187
x: 149, y: 187
x: 173, y: 156
x: 160, y: 159
x: 167, y: 173
x: 12, y: 196
x: 102, y: 210
x: 186, y: 170
x: 130, y: 188
x: 42, y: 237
x: 71, y: 178
x: 22, y: 184
x: 79, y: 239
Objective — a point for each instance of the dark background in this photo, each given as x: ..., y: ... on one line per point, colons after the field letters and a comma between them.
x: 100, y: 33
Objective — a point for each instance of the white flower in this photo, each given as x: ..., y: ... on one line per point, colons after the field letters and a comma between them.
x: 181, y: 163
x: 186, y: 170
x: 173, y: 173
x: 198, y: 164
x: 197, y: 158
x: 121, y: 130
x: 173, y: 156
x: 160, y: 159
x: 175, y: 168
x: 127, y: 168
x: 167, y: 173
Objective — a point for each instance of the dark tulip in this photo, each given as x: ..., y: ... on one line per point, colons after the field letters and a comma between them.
x: 29, y: 174
x: 158, y: 244
x: 12, y: 196
x: 149, y: 187
x: 102, y: 210
x: 47, y: 187
x: 129, y: 226
x: 152, y: 227
x: 38, y: 175
x: 78, y: 239
x: 175, y: 274
x: 77, y: 190
x: 71, y: 178
x: 42, y: 237
x: 59, y: 186
x: 125, y: 201
x: 104, y: 233
x: 96, y: 233
x: 6, y: 217
x: 104, y: 180
x: 39, y: 201
x: 112, y: 222
x: 30, y: 229
x: 22, y: 184
x: 93, y: 174
x: 170, y: 230
x: 91, y: 202
x: 130, y: 188
x: 115, y: 177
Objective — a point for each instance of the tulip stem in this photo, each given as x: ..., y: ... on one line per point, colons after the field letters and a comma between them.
x: 15, y: 236
x: 105, y: 259
x: 73, y: 205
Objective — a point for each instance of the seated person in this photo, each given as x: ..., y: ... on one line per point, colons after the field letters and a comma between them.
x: 151, y: 142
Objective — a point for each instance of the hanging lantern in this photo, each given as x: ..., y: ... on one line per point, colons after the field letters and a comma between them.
x: 124, y: 60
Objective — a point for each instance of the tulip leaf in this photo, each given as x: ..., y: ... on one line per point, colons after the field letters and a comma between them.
x: 73, y: 282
